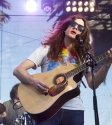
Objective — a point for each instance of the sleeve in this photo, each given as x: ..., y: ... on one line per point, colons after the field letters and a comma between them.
x: 38, y: 55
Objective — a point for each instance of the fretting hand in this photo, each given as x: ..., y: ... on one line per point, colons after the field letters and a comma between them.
x: 109, y: 58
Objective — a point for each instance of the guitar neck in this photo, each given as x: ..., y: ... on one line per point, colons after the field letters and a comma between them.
x: 82, y: 67
x: 101, y: 57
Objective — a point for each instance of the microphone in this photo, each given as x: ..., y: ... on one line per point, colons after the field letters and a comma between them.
x: 78, y: 37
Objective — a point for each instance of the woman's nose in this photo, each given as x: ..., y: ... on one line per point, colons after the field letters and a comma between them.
x: 75, y: 27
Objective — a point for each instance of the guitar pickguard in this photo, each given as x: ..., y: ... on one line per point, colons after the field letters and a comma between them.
x: 55, y: 90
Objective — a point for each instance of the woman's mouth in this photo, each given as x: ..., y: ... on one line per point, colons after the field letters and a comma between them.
x: 73, y: 32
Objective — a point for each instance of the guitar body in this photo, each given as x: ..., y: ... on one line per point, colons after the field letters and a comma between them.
x: 43, y: 106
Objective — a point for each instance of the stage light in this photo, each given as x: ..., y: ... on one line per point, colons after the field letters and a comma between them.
x: 31, y: 5
x: 80, y: 6
x: 47, y: 5
x: 80, y: 3
x: 92, y: 4
x: 86, y: 9
x: 80, y: 9
x: 74, y: 3
x: 86, y: 3
x: 68, y: 9
x: 68, y: 3
x: 74, y: 9
x: 68, y: 6
x: 92, y: 9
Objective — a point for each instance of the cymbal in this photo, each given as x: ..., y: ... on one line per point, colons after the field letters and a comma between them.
x: 2, y: 108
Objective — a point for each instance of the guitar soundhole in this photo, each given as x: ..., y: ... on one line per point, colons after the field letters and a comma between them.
x: 59, y: 79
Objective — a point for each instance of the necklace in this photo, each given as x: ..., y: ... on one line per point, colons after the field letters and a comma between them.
x: 69, y: 56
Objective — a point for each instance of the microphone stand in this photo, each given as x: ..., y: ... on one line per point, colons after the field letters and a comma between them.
x: 92, y: 63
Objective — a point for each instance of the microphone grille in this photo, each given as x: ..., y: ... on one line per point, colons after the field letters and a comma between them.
x: 78, y: 37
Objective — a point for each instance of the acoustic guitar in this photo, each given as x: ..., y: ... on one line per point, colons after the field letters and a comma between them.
x: 62, y: 88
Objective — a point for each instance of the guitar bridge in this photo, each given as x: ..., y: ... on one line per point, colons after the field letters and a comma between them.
x: 45, y: 93
x: 55, y: 90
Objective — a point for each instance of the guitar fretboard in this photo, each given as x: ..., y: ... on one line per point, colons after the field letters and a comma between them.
x: 84, y: 66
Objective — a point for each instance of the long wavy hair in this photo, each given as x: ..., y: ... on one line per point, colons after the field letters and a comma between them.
x: 56, y: 38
